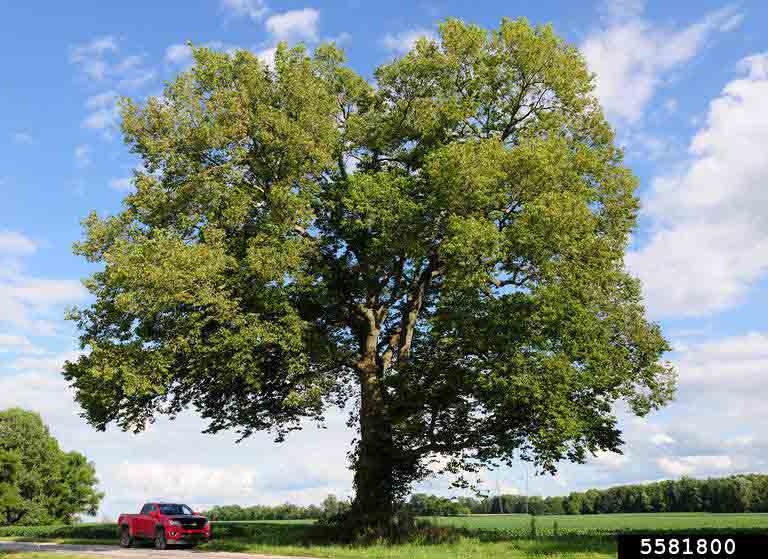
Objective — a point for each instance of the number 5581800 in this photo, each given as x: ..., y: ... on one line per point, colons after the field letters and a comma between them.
x: 684, y: 546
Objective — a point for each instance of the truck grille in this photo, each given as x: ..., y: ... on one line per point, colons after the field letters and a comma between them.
x: 192, y: 522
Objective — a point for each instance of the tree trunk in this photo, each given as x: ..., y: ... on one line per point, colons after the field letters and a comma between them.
x: 374, y: 498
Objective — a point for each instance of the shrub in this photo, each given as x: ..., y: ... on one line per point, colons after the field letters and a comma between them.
x: 72, y: 531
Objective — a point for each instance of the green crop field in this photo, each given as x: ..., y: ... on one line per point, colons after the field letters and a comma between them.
x: 608, y: 523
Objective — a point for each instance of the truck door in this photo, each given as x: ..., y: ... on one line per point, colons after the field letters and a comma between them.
x: 146, y: 522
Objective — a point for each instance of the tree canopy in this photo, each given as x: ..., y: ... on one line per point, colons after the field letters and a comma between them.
x: 40, y: 483
x: 443, y: 248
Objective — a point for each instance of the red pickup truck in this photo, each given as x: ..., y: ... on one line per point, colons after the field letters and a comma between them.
x: 165, y: 524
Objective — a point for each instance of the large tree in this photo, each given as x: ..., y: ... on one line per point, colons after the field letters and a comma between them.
x: 40, y: 483
x: 444, y: 248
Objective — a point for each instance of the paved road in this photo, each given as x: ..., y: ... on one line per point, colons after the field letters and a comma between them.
x: 134, y: 553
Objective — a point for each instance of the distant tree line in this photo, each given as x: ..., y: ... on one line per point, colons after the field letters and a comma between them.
x: 739, y: 493
x: 330, y: 507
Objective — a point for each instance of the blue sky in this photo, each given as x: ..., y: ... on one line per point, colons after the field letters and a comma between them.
x: 684, y: 83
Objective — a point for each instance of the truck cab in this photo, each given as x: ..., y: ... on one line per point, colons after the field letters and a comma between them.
x: 164, y: 524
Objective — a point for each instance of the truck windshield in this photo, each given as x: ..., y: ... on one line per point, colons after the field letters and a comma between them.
x: 170, y: 510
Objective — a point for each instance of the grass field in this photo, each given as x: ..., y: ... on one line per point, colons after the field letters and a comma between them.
x: 597, y: 524
x: 487, y: 536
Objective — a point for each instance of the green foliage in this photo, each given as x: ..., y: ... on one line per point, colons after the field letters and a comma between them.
x: 443, y: 250
x: 286, y: 511
x: 732, y: 494
x: 421, y: 504
x: 72, y: 531
x: 39, y: 483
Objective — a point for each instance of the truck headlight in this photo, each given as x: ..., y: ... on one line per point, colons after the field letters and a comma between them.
x: 174, y: 523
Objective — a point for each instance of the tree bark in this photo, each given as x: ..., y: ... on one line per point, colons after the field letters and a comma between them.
x: 374, y: 483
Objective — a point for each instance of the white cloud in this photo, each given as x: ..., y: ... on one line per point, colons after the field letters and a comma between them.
x: 695, y: 465
x: 631, y: 56
x: 611, y: 460
x: 102, y: 112
x: 709, y: 239
x: 45, y: 292
x: 83, y: 156
x: 254, y: 9
x: 181, y: 481
x: 124, y: 184
x: 178, y: 54
x: 48, y: 364
x: 99, y: 62
x: 16, y: 243
x: 26, y: 303
x: 90, y: 56
x: 14, y: 343
x: 101, y: 119
x: 404, y: 41
x: 662, y: 438
x: 738, y: 362
x: 136, y: 79
x: 101, y: 100
x: 296, y: 25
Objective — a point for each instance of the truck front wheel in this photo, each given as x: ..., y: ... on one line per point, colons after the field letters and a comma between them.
x: 160, y: 542
x: 126, y: 539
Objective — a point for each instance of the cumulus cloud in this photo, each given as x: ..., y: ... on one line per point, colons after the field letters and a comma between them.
x: 27, y: 303
x: 90, y: 57
x: 713, y: 426
x: 52, y: 363
x: 709, y: 231
x: 102, y: 112
x: 632, y: 57
x: 611, y: 460
x: 662, y: 438
x: 695, y: 465
x: 99, y: 61
x: 14, y: 343
x: 738, y: 362
x: 254, y: 9
x: 294, y: 25
x: 404, y: 41
x: 12, y: 242
x: 102, y: 64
